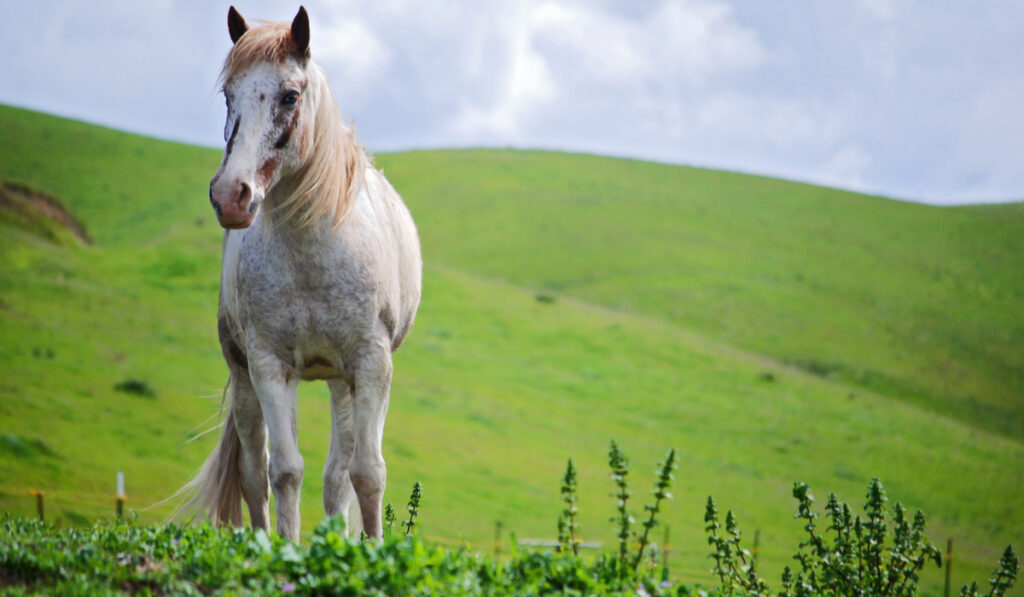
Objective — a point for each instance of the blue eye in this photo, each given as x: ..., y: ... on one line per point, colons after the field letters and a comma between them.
x: 290, y: 99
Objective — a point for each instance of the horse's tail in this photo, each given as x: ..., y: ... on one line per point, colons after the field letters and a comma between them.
x: 215, y: 493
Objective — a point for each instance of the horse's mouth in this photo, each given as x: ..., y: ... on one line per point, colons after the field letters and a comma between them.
x: 237, y: 220
x: 237, y: 225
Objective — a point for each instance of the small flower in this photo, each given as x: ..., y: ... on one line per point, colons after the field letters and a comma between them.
x: 288, y: 587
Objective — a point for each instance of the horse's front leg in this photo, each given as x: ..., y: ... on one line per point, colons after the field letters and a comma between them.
x: 276, y: 383
x: 338, y: 492
x: 370, y: 405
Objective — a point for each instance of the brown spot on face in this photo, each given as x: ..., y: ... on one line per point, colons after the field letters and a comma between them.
x: 266, y: 171
x: 231, y: 139
x: 286, y: 135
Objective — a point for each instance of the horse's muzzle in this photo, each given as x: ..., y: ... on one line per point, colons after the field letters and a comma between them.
x: 237, y: 207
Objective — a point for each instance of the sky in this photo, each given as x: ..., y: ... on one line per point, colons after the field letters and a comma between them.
x: 917, y: 100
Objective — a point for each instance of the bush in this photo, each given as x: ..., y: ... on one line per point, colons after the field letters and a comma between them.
x: 854, y: 555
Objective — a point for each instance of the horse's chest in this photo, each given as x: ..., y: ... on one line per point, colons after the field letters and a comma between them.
x: 293, y: 303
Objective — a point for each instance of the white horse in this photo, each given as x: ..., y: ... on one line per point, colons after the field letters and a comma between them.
x: 320, y: 280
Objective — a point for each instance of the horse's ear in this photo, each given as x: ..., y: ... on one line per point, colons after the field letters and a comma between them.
x: 236, y: 25
x: 300, y: 32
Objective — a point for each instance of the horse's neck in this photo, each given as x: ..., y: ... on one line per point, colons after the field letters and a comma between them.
x: 276, y: 224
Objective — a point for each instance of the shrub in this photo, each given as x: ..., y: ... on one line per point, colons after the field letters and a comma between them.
x: 854, y: 555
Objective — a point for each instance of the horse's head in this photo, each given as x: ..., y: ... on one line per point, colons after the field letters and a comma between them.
x: 265, y: 83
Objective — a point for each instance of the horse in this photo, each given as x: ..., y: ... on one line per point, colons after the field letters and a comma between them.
x: 320, y: 280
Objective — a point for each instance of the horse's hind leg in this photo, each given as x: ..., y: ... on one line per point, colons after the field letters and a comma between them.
x: 338, y: 491
x: 368, y: 473
x: 252, y: 459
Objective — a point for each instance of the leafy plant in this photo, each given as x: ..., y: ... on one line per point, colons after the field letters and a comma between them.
x: 855, y: 555
x: 620, y: 468
x: 568, y: 528
x: 661, y: 493
x: 734, y: 565
x: 389, y: 518
x: 1002, y: 579
x: 414, y: 507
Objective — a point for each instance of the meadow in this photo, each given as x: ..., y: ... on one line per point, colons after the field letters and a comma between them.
x: 770, y: 331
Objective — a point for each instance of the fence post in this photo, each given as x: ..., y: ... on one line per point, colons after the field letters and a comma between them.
x: 120, y: 494
x: 497, y: 539
x: 39, y: 501
x: 949, y: 565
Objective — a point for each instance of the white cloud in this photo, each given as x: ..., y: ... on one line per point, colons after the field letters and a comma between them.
x: 569, y: 59
x: 356, y: 56
x: 929, y: 109
x: 524, y: 86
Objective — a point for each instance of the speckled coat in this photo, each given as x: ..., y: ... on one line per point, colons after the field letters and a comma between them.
x: 320, y: 297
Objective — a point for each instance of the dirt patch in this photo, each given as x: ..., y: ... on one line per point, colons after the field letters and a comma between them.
x: 39, y: 213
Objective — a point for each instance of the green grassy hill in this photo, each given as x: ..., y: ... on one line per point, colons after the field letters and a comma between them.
x: 771, y: 331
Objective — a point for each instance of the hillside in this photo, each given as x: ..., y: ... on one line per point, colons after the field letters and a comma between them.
x: 772, y: 331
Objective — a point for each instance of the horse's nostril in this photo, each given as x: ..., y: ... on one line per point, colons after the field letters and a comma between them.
x: 244, y: 195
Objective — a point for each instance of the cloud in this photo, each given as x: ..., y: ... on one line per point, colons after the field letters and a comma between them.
x: 523, y: 86
x: 566, y: 60
x: 349, y: 48
x: 902, y: 97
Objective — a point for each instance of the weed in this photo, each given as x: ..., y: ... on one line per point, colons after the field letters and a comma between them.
x: 623, y: 519
x: 389, y: 518
x: 854, y: 555
x: 660, y: 493
x: 568, y: 528
x: 414, y: 507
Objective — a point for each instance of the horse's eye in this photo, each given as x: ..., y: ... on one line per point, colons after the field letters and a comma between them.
x: 290, y: 99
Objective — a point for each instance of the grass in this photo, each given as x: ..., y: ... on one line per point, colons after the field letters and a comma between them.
x: 770, y: 331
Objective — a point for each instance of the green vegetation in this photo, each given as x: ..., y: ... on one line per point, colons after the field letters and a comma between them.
x: 861, y: 561
x: 860, y: 558
x: 770, y: 331
x: 126, y: 559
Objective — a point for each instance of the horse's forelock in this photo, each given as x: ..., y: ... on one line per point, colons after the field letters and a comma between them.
x: 271, y: 42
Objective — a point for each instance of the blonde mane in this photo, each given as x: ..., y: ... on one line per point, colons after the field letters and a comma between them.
x: 332, y: 169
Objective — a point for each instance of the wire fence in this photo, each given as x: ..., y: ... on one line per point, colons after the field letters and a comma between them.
x: 61, y: 505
